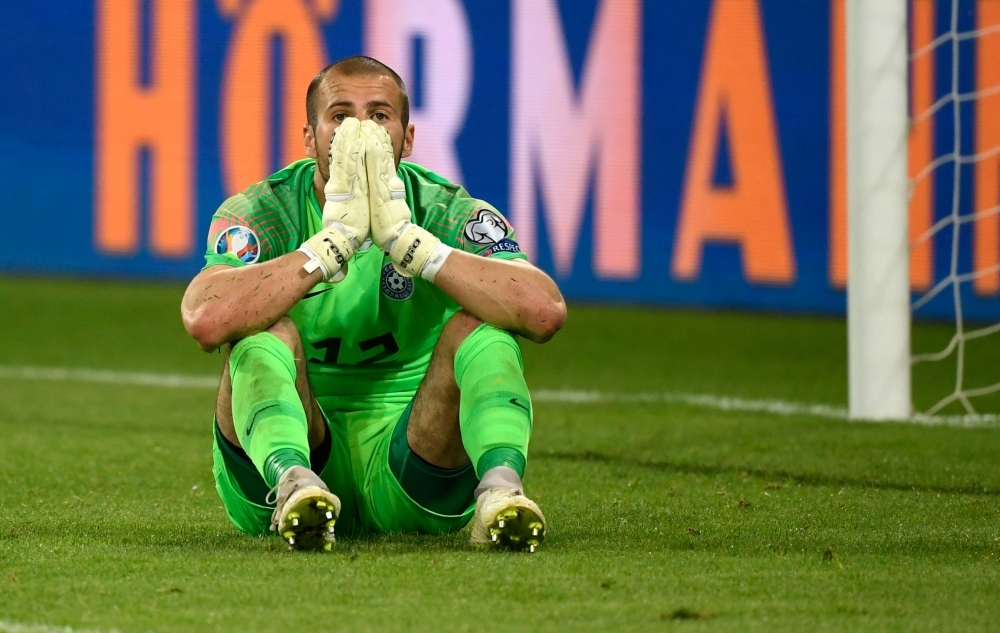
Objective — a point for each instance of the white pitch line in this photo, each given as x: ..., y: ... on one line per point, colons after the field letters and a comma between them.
x: 729, y: 403
x: 148, y: 379
x: 14, y: 627
x: 723, y: 403
x: 565, y: 396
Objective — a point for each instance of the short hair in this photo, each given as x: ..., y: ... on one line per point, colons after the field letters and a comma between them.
x: 352, y: 67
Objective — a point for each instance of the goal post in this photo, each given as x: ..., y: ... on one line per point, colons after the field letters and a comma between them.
x: 878, y: 294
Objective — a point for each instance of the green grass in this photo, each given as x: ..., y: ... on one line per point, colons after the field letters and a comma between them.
x: 663, y: 517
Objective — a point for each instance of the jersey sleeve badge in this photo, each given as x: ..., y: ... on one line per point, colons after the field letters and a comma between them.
x: 239, y: 242
x: 489, y: 229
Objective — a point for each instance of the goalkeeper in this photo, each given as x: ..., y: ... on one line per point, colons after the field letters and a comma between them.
x: 366, y: 308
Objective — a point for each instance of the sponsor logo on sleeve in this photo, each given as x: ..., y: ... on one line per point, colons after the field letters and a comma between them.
x: 505, y: 245
x: 489, y: 229
x: 239, y: 242
x: 394, y: 285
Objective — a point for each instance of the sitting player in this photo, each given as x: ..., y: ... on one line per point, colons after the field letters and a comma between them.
x: 371, y: 377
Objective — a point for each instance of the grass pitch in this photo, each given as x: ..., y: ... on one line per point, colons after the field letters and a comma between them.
x: 663, y: 517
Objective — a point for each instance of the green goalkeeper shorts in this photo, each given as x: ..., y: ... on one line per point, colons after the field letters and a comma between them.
x: 358, y: 471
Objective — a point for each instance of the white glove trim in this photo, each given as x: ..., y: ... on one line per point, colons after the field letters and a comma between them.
x: 314, y: 263
x: 411, y: 249
x: 435, y: 262
x: 329, y: 250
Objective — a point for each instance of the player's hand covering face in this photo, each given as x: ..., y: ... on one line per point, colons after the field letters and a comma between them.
x: 364, y: 192
x: 345, y: 213
x: 347, y: 187
x: 414, y: 251
x: 363, y: 97
x: 389, y: 213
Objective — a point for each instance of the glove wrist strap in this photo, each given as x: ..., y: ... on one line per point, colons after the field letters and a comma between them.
x: 314, y: 262
x: 435, y: 261
x: 411, y: 249
x: 328, y: 251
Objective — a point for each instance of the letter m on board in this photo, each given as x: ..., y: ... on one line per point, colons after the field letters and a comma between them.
x: 559, y: 134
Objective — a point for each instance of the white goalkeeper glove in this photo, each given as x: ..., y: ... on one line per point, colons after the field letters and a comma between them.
x: 413, y: 250
x: 345, y: 213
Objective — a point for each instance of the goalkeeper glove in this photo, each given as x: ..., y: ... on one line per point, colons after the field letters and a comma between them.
x: 328, y: 251
x: 413, y: 250
x: 345, y: 213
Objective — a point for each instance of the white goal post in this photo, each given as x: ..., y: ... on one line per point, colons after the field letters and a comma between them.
x: 878, y: 293
x: 893, y: 100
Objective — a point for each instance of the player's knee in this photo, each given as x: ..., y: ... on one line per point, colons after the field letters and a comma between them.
x: 284, y: 330
x: 457, y: 329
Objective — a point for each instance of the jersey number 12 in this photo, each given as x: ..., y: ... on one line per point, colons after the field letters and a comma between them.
x: 332, y: 346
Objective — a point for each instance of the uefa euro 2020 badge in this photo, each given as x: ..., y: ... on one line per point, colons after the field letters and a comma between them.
x: 239, y: 242
x: 394, y: 285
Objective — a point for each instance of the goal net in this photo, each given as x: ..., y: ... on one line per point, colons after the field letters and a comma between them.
x: 923, y: 207
x: 954, y: 199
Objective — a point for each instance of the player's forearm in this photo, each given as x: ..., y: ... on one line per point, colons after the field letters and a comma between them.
x: 506, y: 294
x: 224, y: 303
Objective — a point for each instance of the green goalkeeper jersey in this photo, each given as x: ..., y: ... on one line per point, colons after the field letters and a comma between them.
x: 369, y: 338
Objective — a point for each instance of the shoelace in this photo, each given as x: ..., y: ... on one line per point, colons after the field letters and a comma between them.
x: 272, y: 500
x: 272, y: 496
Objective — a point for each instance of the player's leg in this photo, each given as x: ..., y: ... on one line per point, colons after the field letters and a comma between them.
x: 473, y: 408
x: 267, y: 409
x: 286, y: 332
x: 429, y: 489
x: 433, y: 429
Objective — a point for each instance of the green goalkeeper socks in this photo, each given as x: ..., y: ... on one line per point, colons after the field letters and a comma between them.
x: 494, y: 411
x: 495, y: 408
x: 267, y: 411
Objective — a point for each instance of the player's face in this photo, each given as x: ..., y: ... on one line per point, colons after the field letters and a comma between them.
x: 375, y: 97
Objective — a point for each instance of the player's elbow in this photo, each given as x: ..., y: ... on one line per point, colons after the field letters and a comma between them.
x: 207, y: 341
x: 545, y: 320
x: 203, y: 329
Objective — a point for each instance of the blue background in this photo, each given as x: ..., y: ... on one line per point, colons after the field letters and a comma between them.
x: 47, y: 145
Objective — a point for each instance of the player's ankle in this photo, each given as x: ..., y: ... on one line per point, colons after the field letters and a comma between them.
x: 503, y: 477
x: 281, y: 461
